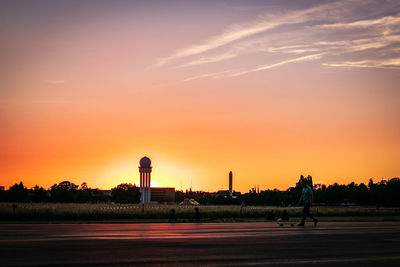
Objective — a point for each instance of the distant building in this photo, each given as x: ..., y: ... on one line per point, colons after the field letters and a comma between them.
x: 145, y: 173
x: 230, y: 183
x: 162, y: 194
x: 2, y: 188
x: 152, y: 194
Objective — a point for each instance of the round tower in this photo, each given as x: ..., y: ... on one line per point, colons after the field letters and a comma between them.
x: 145, y: 171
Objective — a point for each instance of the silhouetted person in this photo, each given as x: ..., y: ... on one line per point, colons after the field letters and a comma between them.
x: 196, y: 215
x: 270, y: 215
x: 14, y: 207
x: 285, y: 216
x: 172, y: 216
x: 306, y: 198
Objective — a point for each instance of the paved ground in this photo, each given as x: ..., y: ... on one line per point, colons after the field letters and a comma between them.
x: 374, y: 243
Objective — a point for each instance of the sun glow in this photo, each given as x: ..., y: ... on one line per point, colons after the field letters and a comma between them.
x: 269, y: 93
x: 165, y: 173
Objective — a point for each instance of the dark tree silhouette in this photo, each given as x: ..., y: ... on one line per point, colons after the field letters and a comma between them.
x: 125, y: 193
x: 39, y: 194
x: 382, y: 193
x: 84, y: 186
x: 64, y: 192
x: 18, y: 193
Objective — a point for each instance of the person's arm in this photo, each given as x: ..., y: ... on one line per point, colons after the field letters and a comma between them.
x: 301, y: 198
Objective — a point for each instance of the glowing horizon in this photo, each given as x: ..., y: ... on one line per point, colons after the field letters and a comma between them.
x: 268, y: 90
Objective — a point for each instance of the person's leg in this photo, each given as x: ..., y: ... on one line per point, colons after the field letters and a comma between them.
x: 311, y: 216
x: 306, y: 211
x: 303, y: 219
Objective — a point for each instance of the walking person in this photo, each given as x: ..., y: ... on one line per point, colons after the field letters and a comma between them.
x: 196, y: 215
x: 172, y: 216
x: 307, y: 198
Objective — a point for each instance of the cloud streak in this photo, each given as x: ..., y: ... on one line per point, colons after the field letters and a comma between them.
x: 370, y: 39
x: 55, y: 82
x: 270, y: 66
x: 388, y: 20
x: 221, y: 40
x: 210, y: 59
x: 393, y: 63
x: 235, y: 73
x: 215, y: 75
x: 241, y: 31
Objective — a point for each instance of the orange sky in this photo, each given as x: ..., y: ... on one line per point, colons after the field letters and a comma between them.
x: 268, y: 90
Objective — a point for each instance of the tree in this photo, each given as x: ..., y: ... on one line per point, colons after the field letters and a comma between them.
x: 64, y: 192
x: 18, y: 193
x: 84, y: 186
x: 38, y: 194
x: 125, y: 193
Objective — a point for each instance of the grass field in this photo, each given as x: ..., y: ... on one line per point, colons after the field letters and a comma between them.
x: 53, y: 212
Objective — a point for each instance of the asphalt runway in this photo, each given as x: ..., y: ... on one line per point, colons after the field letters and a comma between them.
x: 210, y: 244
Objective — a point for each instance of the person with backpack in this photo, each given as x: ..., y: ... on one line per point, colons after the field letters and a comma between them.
x: 307, y: 198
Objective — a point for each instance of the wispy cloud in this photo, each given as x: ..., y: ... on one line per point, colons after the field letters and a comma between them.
x: 240, y: 31
x: 219, y: 74
x: 210, y: 59
x: 235, y: 73
x: 55, y: 81
x: 270, y: 66
x: 294, y: 49
x: 393, y: 63
x: 227, y: 37
x: 369, y: 37
x: 388, y: 20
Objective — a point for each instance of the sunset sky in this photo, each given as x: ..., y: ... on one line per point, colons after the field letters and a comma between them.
x: 267, y: 89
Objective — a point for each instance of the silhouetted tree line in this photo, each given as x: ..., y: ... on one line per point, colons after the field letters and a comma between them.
x: 383, y: 193
x: 126, y: 193
x: 67, y: 192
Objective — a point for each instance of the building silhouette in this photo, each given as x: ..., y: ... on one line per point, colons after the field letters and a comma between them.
x: 162, y: 194
x: 230, y: 183
x: 145, y: 174
x: 152, y: 194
